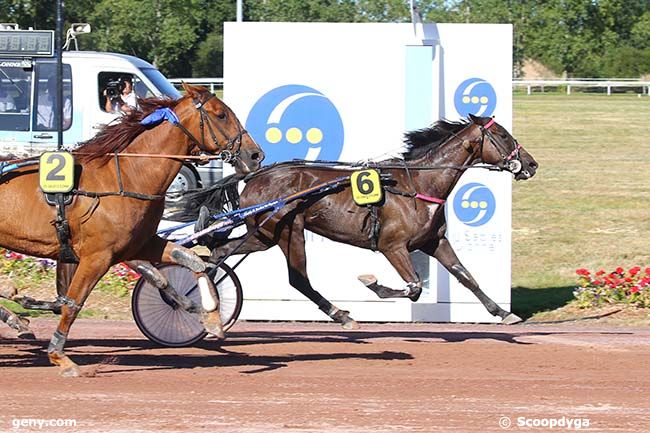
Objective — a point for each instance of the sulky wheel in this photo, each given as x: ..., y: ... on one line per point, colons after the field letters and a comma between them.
x: 166, y: 325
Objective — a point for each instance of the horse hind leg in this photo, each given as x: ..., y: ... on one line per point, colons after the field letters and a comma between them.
x: 16, y: 323
x: 207, y: 311
x: 19, y: 324
x: 401, y: 261
x: 292, y: 244
x: 161, y: 250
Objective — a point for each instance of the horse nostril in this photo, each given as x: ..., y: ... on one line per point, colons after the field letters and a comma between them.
x: 255, y: 156
x: 533, y: 165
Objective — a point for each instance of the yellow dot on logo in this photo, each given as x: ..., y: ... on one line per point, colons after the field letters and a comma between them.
x: 474, y: 204
x: 474, y: 99
x: 294, y: 135
x: 484, y: 99
x: 464, y: 204
x: 314, y: 135
x: 273, y: 135
x: 482, y: 205
x: 466, y: 99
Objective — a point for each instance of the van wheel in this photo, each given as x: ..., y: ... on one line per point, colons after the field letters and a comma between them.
x: 184, y: 181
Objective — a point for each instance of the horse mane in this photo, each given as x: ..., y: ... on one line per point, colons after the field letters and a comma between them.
x: 115, y: 137
x: 421, y: 141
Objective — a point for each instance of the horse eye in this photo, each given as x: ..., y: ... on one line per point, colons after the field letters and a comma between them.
x: 221, y: 115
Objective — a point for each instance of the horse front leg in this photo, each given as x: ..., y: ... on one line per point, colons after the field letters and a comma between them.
x: 446, y: 255
x: 162, y: 251
x: 64, y: 274
x: 90, y: 270
x: 401, y: 261
x: 292, y: 244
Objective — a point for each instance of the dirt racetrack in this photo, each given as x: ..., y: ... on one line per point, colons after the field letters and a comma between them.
x: 272, y: 377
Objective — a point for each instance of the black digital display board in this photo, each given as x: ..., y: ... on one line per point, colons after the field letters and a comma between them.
x: 26, y: 43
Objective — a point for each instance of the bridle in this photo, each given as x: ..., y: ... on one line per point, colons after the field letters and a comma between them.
x: 511, y: 162
x: 232, y: 148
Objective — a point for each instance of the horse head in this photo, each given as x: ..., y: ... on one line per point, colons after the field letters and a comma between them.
x: 218, y: 131
x: 500, y: 148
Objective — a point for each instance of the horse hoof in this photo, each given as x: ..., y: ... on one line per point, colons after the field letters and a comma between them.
x: 212, y: 324
x: 72, y: 371
x: 350, y: 325
x: 215, y: 330
x: 8, y: 292
x: 511, y: 319
x: 26, y: 335
x: 415, y: 294
x: 367, y: 280
x: 218, y: 334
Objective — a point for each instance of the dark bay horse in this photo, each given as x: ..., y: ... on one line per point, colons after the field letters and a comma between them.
x: 118, y: 202
x: 410, y: 218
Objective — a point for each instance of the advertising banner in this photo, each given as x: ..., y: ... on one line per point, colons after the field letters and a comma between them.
x: 349, y: 92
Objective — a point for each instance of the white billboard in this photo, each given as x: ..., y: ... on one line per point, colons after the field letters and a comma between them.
x: 349, y: 92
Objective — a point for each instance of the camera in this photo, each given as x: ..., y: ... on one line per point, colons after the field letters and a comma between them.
x: 114, y: 89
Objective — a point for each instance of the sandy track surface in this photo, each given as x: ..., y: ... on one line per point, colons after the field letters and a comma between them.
x: 305, y: 377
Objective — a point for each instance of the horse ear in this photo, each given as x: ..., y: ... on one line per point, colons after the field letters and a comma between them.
x: 473, y: 118
x: 192, y: 91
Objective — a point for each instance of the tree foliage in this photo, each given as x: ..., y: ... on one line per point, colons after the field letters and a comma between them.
x: 185, y: 37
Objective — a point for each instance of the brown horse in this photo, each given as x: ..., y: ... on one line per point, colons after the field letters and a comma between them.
x: 410, y: 218
x: 118, y: 201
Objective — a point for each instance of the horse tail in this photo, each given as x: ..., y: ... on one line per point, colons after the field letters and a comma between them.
x: 221, y: 197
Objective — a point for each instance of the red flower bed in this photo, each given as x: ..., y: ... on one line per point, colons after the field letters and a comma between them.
x: 619, y: 286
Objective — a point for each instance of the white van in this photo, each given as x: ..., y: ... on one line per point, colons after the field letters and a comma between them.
x: 24, y: 80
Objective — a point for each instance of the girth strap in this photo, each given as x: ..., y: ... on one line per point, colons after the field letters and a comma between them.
x: 66, y: 254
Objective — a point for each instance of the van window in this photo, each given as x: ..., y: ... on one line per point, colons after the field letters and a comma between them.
x: 15, y: 96
x: 161, y: 83
x: 45, y: 97
x: 111, y: 84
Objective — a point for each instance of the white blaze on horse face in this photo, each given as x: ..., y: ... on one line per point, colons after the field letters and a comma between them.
x: 207, y: 300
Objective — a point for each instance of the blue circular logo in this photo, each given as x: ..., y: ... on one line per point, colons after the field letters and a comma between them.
x: 296, y: 121
x: 474, y: 204
x: 475, y: 96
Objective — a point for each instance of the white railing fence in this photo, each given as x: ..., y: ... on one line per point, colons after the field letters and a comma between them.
x: 605, y: 83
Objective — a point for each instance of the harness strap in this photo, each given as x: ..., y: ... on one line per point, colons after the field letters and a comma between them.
x: 66, y: 254
x: 514, y: 152
x: 128, y: 194
x: 429, y: 198
x: 423, y: 197
x: 119, y: 174
x: 375, y: 227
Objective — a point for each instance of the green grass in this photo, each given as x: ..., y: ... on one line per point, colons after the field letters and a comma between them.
x: 588, y: 204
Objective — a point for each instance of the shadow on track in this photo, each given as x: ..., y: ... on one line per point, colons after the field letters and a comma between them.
x: 238, y: 349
